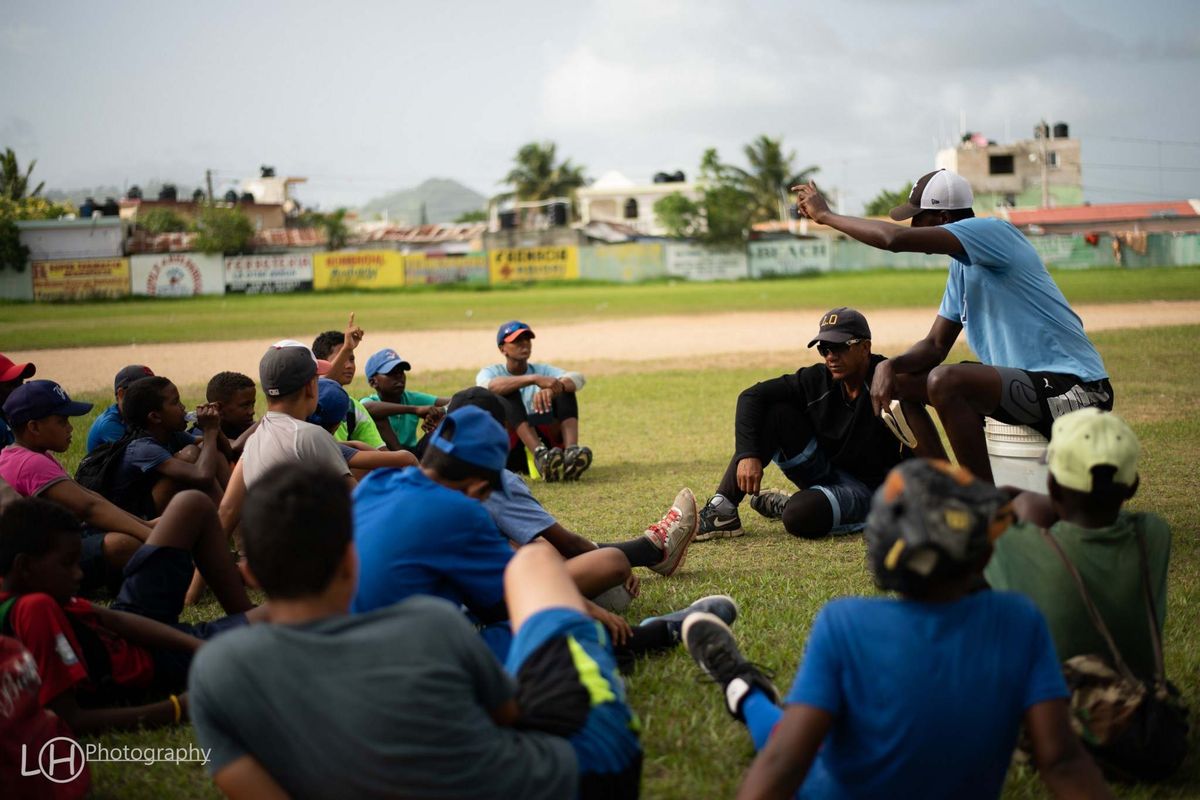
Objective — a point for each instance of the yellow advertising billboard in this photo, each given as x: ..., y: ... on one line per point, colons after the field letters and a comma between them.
x: 80, y: 278
x: 534, y: 264
x: 358, y: 269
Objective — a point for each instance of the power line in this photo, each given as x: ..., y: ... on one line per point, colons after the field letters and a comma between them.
x: 1137, y: 140
x: 1153, y: 167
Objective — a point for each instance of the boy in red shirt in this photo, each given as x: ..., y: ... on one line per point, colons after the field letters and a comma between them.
x: 95, y: 660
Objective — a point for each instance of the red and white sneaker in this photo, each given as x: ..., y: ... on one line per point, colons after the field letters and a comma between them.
x: 674, y: 532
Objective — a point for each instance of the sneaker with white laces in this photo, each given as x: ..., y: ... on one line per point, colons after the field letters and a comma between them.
x: 719, y: 520
x: 770, y: 502
x: 712, y: 646
x: 576, y: 460
x: 549, y: 463
x: 674, y: 532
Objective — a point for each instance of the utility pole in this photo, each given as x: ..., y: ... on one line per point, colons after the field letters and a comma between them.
x: 208, y: 183
x: 1045, y: 131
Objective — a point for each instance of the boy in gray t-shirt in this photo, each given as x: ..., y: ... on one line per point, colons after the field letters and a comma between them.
x: 406, y: 700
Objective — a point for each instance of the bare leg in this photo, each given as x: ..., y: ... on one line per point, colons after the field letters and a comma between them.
x: 570, y: 432
x: 595, y: 571
x: 118, y: 548
x: 962, y: 395
x: 537, y: 579
x: 528, y: 436
x: 191, y: 523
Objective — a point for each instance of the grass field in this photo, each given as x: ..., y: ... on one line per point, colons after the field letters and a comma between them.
x: 656, y: 431
x: 25, y: 326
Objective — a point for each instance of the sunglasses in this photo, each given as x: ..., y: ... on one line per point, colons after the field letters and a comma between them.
x: 826, y: 348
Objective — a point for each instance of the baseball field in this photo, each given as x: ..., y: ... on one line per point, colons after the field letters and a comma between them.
x: 665, y: 362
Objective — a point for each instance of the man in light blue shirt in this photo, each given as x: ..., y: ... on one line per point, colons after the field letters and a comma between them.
x: 1037, y: 362
x: 541, y: 406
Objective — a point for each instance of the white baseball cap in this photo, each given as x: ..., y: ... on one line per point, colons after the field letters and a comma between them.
x: 940, y: 190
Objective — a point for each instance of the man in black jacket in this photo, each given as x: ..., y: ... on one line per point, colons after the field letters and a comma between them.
x: 818, y: 425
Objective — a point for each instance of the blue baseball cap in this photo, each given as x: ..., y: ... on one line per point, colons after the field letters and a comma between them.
x: 471, y: 435
x: 40, y: 399
x: 332, y: 404
x: 510, y: 330
x: 385, y: 361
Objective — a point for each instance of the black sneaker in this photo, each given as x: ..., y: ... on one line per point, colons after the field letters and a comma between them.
x: 549, y: 463
x: 770, y: 502
x: 712, y: 646
x: 719, y: 521
x: 576, y: 460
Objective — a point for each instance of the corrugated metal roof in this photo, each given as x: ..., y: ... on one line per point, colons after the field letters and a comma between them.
x: 1104, y: 212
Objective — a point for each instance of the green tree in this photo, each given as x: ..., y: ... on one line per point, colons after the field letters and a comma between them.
x: 538, y: 175
x: 333, y: 224
x: 14, y: 185
x: 162, y: 220
x: 772, y: 173
x: 722, y: 215
x: 885, y: 201
x: 223, y: 230
x: 472, y: 216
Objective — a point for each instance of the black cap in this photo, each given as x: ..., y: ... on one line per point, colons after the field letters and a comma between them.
x: 286, y: 368
x: 841, y: 325
x: 128, y: 375
x: 479, y: 397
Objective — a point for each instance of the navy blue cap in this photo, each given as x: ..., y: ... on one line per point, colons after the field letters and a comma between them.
x: 510, y: 330
x: 332, y: 404
x: 385, y: 361
x: 471, y: 435
x: 40, y: 399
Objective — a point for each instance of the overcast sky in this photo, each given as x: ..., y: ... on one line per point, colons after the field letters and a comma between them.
x: 369, y: 97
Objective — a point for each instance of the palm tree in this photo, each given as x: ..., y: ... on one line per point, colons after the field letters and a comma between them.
x: 536, y: 176
x: 772, y: 173
x: 13, y: 184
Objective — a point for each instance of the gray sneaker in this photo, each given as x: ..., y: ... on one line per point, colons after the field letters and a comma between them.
x: 674, y: 532
x: 721, y: 605
x: 576, y: 460
x: 719, y: 521
x: 549, y: 463
x: 770, y: 502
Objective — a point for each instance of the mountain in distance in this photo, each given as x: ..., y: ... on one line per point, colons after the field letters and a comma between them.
x: 445, y: 200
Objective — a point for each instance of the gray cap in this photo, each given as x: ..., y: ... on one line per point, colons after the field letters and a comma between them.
x: 286, y: 367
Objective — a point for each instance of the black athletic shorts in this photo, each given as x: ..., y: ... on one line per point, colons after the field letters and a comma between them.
x: 1037, y: 399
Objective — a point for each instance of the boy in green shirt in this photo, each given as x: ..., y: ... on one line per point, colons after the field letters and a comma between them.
x: 404, y: 410
x: 361, y: 428
x: 1093, y: 460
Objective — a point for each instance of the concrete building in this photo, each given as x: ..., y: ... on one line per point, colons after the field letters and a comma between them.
x: 67, y: 239
x: 1045, y: 171
x: 1172, y: 216
x: 615, y: 198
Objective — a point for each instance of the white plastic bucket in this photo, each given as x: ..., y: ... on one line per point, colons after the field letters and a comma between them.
x: 1017, y: 453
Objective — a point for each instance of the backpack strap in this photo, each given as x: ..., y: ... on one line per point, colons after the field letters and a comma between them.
x: 1093, y: 612
x: 1160, y: 672
x: 5, y: 612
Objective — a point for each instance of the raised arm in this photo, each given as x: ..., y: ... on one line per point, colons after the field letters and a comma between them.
x: 874, y: 232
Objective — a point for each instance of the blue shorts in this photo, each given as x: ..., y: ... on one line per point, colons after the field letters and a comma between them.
x: 849, y: 497
x: 560, y: 649
x: 91, y: 562
x: 156, y: 582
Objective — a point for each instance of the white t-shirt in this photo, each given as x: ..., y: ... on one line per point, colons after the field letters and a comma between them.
x: 281, y: 439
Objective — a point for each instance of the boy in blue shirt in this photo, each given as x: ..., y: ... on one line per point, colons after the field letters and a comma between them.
x: 541, y: 404
x: 1038, y: 363
x: 110, y: 425
x: 404, y: 410
x: 920, y: 696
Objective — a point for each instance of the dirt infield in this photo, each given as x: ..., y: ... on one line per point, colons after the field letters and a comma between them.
x: 679, y: 340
